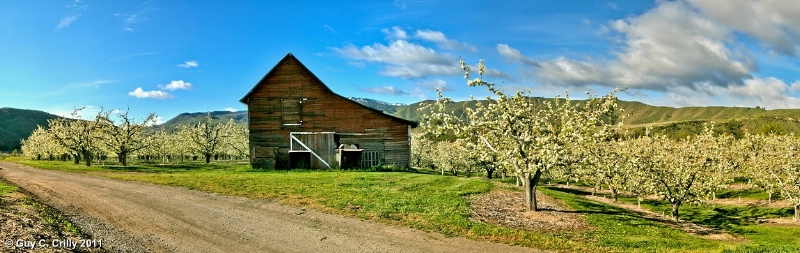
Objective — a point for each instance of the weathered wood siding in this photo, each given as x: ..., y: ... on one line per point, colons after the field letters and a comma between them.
x: 290, y: 87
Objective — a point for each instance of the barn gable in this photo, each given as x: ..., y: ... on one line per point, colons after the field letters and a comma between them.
x: 295, y: 120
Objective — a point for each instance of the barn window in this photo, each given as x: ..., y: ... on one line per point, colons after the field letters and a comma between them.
x: 292, y: 111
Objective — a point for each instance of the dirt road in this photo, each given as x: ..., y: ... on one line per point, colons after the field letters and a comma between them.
x: 170, y: 219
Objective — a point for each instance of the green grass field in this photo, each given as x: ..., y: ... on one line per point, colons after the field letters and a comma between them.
x: 6, y: 188
x: 439, y: 203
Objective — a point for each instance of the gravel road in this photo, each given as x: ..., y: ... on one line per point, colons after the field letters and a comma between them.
x: 140, y: 217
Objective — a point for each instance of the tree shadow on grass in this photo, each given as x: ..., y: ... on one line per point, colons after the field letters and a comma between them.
x: 157, y: 168
x: 588, y: 206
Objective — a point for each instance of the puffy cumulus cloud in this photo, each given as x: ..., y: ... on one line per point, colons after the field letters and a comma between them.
x: 140, y: 93
x: 177, y: 85
x: 669, y: 47
x: 776, y: 24
x: 397, y: 52
x: 513, y: 54
x: 768, y: 92
x: 388, y: 90
x: 396, y: 33
x: 573, y: 72
x: 189, y: 64
x: 442, y: 41
x: 403, y: 59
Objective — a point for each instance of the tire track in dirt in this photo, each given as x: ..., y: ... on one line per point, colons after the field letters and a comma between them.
x: 172, y: 219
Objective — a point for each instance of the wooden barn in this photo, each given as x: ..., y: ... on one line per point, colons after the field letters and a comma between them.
x: 296, y: 121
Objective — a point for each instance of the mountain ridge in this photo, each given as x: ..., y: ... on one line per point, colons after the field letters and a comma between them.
x: 17, y: 124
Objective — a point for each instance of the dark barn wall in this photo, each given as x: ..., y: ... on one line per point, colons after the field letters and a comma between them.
x: 321, y: 110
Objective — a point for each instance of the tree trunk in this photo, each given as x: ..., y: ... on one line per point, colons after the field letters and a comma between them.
x: 796, y: 213
x: 77, y: 158
x: 639, y: 203
x: 87, y: 156
x: 208, y: 158
x: 530, y: 189
x: 675, y: 207
x: 489, y: 173
x: 123, y: 158
x: 614, y: 194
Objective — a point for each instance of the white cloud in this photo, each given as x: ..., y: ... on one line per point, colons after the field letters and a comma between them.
x: 442, y: 41
x: 139, y: 93
x: 774, y: 23
x: 67, y: 21
x: 230, y: 109
x: 434, y: 84
x: 188, y: 64
x: 388, y: 90
x: 403, y: 59
x: 158, y: 121
x: 128, y: 29
x: 513, y: 54
x: 421, y: 70
x: 177, y: 85
x: 668, y: 47
x: 398, y: 52
x: 330, y: 29
x: 766, y: 92
x: 396, y: 33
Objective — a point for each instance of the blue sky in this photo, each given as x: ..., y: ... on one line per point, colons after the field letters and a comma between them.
x: 171, y: 57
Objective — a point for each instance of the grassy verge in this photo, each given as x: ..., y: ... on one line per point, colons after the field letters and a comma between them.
x: 438, y: 203
x: 57, y: 224
x: 6, y: 189
x: 740, y: 220
x: 618, y: 228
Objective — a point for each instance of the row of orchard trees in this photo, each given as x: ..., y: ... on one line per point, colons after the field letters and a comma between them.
x: 116, y: 134
x: 581, y: 141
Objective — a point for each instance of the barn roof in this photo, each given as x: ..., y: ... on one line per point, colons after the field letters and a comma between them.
x: 289, y: 57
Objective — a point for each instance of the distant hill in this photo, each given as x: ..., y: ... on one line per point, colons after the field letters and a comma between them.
x: 18, y: 124
x: 196, y: 117
x: 637, y: 113
x: 675, y: 122
x: 388, y: 108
